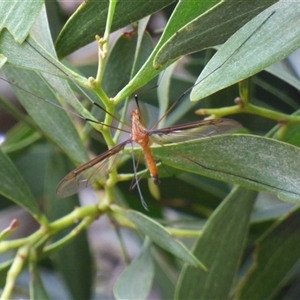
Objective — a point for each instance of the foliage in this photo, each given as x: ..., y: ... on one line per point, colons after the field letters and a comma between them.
x: 239, y: 250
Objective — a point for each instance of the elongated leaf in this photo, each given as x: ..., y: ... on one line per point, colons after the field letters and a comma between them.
x: 19, y: 137
x: 163, y: 91
x: 204, y: 31
x: 19, y: 16
x: 25, y: 56
x: 4, y: 267
x: 279, y: 26
x: 13, y: 187
x: 293, y: 135
x: 277, y: 250
x: 220, y: 246
x: 32, y: 55
x: 53, y: 121
x: 254, y: 162
x: 142, y: 270
x: 161, y: 237
x: 90, y: 19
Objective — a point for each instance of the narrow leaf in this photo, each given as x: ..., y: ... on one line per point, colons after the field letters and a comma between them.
x: 220, y: 247
x: 204, y: 32
x: 265, y: 40
x: 53, y: 121
x: 254, y: 162
x: 13, y: 187
x: 19, y: 16
x: 25, y: 56
x: 276, y: 253
x: 142, y: 270
x: 162, y: 238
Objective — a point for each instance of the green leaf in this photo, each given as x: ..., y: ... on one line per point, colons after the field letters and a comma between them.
x: 204, y: 32
x: 220, y: 247
x: 19, y: 137
x: 142, y: 270
x: 293, y: 135
x: 163, y: 92
x: 4, y: 268
x: 54, y: 122
x: 276, y: 253
x: 164, y: 274
x: 13, y: 187
x: 254, y: 162
x: 279, y: 26
x: 90, y: 19
x: 185, y: 13
x: 31, y: 55
x: 161, y: 237
x: 35, y: 58
x: 19, y: 16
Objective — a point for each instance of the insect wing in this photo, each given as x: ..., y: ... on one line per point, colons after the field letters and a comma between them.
x: 90, y: 172
x: 194, y: 130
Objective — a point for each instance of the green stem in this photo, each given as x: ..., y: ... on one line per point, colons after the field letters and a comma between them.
x: 79, y: 213
x: 14, y: 224
x: 244, y: 91
x: 104, y: 42
x: 250, y: 109
x: 85, y: 223
x: 14, y: 271
x: 103, y: 49
x: 184, y: 233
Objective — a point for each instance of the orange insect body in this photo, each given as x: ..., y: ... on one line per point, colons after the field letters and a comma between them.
x: 140, y: 135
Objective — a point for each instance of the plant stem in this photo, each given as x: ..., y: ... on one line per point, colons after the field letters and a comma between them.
x: 104, y: 42
x: 79, y: 213
x: 14, y: 271
x: 250, y: 109
x: 84, y: 224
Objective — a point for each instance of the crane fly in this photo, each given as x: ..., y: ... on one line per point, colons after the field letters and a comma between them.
x: 97, y: 168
